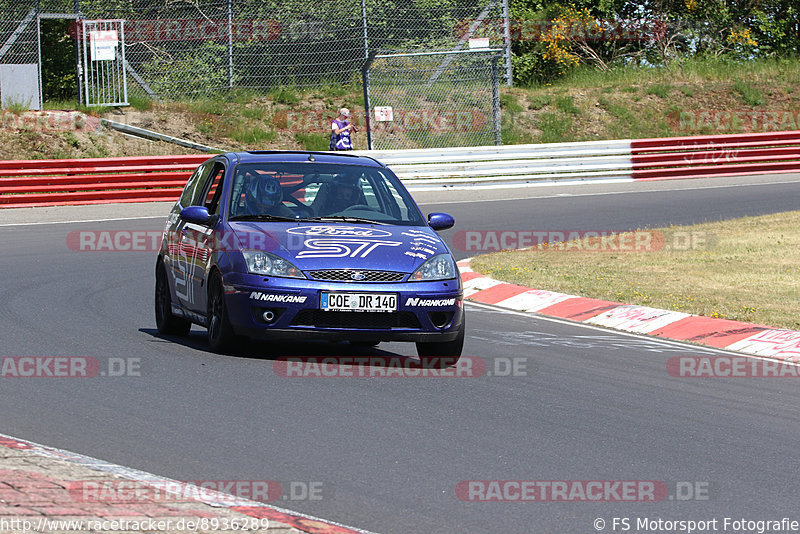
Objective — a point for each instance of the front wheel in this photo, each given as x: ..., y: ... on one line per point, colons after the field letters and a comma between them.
x: 220, y: 331
x: 166, y: 321
x: 442, y: 354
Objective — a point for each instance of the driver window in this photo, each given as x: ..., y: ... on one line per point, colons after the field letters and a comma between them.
x: 211, y: 201
x: 369, y: 195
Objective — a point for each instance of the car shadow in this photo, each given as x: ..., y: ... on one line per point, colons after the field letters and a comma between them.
x: 275, y: 350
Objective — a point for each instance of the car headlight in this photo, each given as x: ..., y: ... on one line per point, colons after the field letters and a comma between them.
x: 441, y: 267
x: 266, y: 263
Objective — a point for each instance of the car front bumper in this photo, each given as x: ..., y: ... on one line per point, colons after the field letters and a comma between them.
x: 426, y: 311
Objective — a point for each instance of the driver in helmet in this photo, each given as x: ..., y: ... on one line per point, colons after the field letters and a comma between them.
x: 263, y: 195
x: 345, y: 192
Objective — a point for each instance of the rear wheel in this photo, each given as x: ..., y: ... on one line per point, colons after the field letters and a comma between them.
x: 220, y: 331
x: 166, y: 321
x: 442, y: 354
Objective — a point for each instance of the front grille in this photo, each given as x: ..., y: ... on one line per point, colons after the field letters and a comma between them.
x: 346, y: 275
x: 370, y: 320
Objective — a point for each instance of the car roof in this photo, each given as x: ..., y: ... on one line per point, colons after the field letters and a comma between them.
x: 290, y: 156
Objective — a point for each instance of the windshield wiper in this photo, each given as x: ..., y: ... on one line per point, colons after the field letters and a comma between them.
x: 346, y: 218
x: 262, y: 217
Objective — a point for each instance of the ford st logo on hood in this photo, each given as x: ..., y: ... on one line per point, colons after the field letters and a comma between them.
x: 339, y: 231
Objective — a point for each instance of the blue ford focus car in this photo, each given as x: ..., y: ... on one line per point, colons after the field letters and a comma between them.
x: 307, y: 245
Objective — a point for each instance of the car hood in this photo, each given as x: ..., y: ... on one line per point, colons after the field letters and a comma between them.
x: 342, y: 245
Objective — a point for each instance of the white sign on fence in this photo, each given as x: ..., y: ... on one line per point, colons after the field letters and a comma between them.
x: 103, y: 45
x: 384, y: 113
x: 478, y: 42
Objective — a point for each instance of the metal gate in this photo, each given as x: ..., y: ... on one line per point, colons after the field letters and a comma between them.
x: 433, y: 99
x: 103, y: 63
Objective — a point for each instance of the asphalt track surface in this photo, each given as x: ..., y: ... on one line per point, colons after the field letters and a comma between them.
x: 389, y: 452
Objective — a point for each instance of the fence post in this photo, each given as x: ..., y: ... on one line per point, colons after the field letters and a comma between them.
x: 230, y: 44
x: 364, y: 24
x: 498, y: 137
x: 365, y: 83
x: 507, y: 39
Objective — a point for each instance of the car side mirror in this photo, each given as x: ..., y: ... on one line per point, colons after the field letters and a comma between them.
x: 440, y: 221
x: 195, y: 214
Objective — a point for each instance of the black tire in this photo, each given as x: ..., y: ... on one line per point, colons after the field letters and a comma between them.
x: 166, y: 322
x: 220, y: 332
x: 442, y: 354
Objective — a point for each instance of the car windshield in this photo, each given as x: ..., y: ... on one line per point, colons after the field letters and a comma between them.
x: 320, y: 191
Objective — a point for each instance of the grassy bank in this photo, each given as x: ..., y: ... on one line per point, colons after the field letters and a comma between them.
x: 744, y: 269
x: 690, y: 98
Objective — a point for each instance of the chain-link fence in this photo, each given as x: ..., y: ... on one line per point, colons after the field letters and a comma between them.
x: 433, y: 99
x: 185, y: 48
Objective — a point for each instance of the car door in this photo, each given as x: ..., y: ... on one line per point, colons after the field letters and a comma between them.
x: 196, y: 243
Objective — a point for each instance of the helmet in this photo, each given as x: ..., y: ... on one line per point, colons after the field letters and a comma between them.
x: 346, y: 181
x: 266, y: 190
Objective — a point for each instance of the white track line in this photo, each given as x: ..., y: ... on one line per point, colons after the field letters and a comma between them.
x: 465, y: 201
x: 164, y: 217
x: 572, y: 195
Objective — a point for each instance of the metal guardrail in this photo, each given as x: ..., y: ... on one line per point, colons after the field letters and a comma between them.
x: 144, y: 179
x: 510, y: 162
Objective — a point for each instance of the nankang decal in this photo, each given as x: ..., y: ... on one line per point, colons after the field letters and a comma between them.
x: 339, y: 231
x: 343, y: 248
x: 271, y: 297
x: 416, y: 301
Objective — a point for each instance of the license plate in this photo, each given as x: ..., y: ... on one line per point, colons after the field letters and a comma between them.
x: 374, y: 302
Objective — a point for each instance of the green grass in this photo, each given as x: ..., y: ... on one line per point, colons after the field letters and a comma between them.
x: 140, y: 103
x: 285, y: 95
x: 512, y: 136
x: 750, y: 95
x: 241, y: 96
x: 743, y: 269
x: 252, y: 135
x: 538, y: 101
x: 313, y: 141
x: 687, y: 90
x: 692, y: 70
x: 555, y: 127
x: 206, y: 107
x: 508, y: 102
x: 70, y: 138
x: 566, y: 104
x: 255, y: 113
x: 659, y: 90
x: 16, y: 108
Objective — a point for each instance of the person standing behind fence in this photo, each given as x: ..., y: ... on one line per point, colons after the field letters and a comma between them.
x: 340, y: 131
